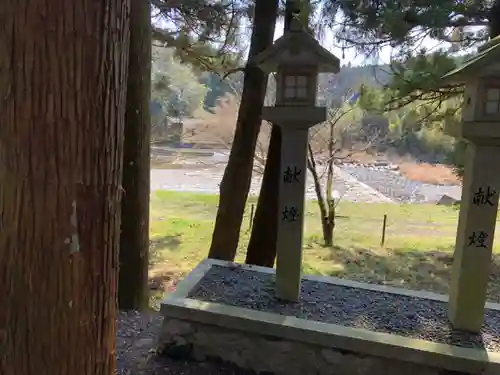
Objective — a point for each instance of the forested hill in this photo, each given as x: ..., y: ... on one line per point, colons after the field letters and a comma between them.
x: 372, y: 75
x: 333, y: 85
x: 179, y: 89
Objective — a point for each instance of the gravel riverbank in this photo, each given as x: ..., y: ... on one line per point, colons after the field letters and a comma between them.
x: 367, y: 183
x: 396, y: 186
x: 207, y: 180
x: 352, y: 183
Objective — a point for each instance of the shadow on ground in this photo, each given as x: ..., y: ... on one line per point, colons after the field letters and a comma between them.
x: 170, y: 242
x: 410, y: 269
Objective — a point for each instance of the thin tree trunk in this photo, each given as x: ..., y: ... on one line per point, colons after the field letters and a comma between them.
x: 134, y: 239
x: 235, y: 183
x: 262, y: 245
x: 326, y: 211
x: 62, y: 104
x: 327, y: 231
x: 328, y: 224
x: 328, y: 221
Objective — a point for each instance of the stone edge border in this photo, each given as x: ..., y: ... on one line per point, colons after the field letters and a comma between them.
x: 362, y: 341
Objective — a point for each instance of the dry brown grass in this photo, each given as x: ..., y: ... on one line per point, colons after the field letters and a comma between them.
x: 413, y: 170
x: 219, y: 125
x: 429, y: 173
x: 361, y: 157
x: 423, y: 172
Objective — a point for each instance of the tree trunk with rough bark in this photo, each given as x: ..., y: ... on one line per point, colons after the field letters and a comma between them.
x: 262, y: 245
x: 134, y: 239
x: 62, y: 104
x: 237, y: 176
x: 328, y: 224
x: 494, y: 20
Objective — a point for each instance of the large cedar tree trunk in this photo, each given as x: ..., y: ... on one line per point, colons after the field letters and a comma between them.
x: 237, y: 176
x: 134, y: 240
x: 62, y: 105
x: 262, y: 245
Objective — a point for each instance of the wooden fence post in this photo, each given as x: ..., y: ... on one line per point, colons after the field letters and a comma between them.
x: 384, y: 225
x: 252, y: 208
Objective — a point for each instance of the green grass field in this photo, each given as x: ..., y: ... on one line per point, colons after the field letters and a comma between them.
x: 417, y: 251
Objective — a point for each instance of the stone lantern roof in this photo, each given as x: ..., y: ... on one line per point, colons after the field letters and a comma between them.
x: 297, y: 48
x: 486, y: 62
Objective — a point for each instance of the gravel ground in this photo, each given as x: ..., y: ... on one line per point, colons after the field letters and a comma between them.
x: 352, y: 307
x: 136, y: 350
x: 395, y: 186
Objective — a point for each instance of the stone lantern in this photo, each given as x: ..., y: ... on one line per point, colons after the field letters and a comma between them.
x: 480, y: 128
x: 297, y: 58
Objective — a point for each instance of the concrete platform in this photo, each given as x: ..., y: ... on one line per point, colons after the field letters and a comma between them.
x: 268, y: 342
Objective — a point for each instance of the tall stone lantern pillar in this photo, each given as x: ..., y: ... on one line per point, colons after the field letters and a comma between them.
x: 480, y: 128
x: 297, y: 58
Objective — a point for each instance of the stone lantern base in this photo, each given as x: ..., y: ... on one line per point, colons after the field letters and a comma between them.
x: 229, y: 312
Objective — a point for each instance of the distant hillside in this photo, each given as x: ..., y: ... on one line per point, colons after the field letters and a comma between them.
x: 331, y: 85
x: 350, y: 78
x: 376, y: 75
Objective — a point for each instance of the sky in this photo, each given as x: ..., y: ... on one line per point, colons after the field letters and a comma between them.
x: 353, y: 56
x: 350, y: 55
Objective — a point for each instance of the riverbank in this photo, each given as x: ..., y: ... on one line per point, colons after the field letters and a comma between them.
x: 370, y: 181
